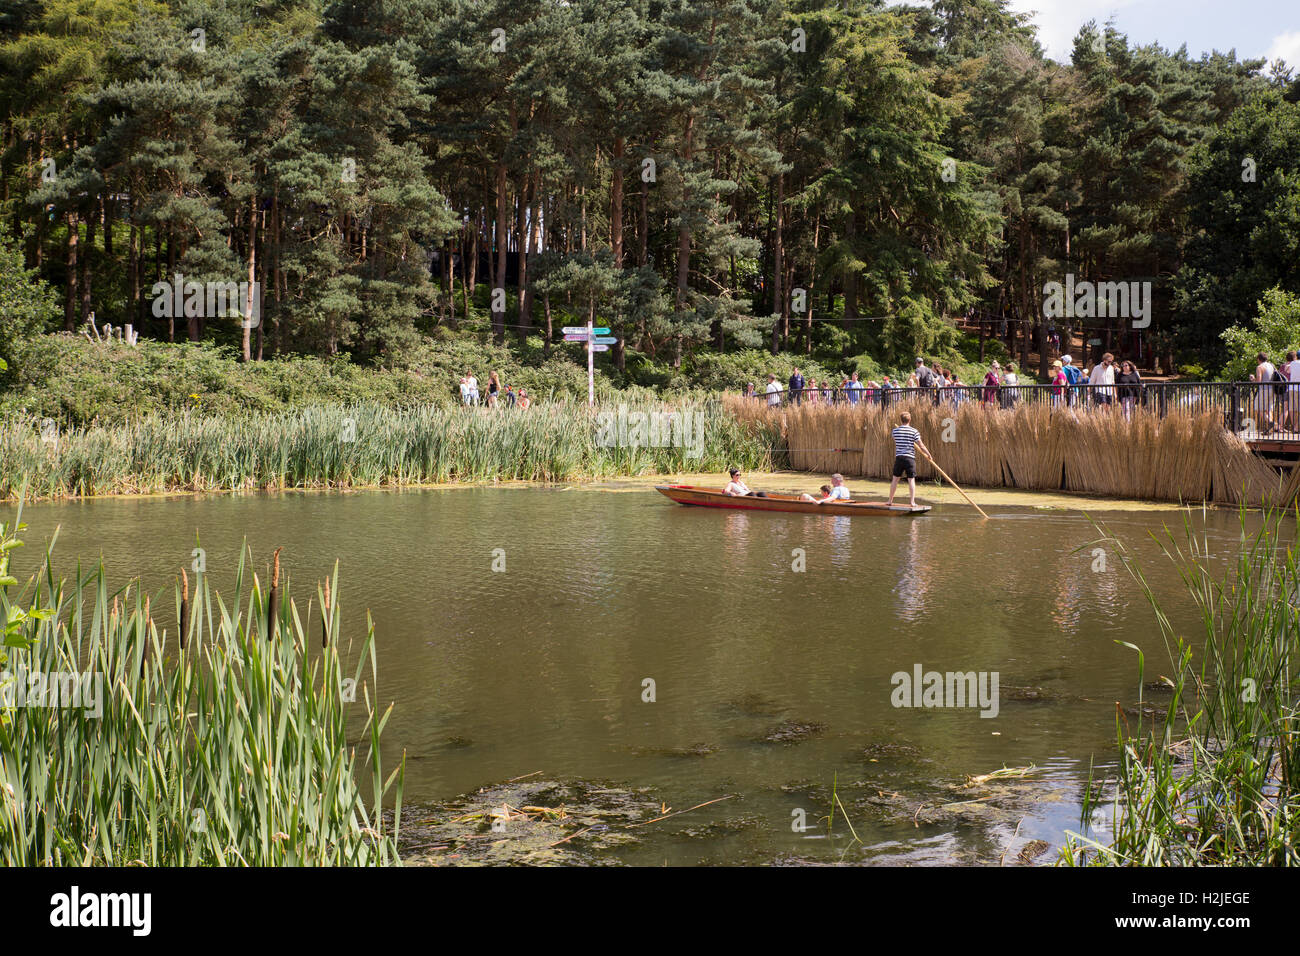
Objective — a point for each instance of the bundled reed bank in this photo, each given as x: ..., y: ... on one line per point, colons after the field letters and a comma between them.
x: 225, y: 736
x: 1175, y: 458
x: 372, y: 445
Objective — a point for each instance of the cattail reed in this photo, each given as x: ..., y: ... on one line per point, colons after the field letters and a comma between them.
x: 185, y: 608
x: 144, y: 628
x: 383, y: 446
x: 325, y: 617
x: 273, y: 599
x: 266, y: 732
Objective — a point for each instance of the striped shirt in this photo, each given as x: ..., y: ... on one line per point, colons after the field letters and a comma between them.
x: 905, y: 438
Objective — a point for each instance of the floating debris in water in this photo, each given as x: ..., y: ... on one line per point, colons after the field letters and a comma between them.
x: 537, y: 822
x: 1032, y: 850
x: 1033, y: 695
x: 891, y: 750
x: 696, y: 750
x: 792, y: 731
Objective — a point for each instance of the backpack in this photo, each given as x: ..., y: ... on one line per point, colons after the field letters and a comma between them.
x: 1071, y: 374
x: 1279, y: 384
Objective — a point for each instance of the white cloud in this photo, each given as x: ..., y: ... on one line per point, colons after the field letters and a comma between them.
x: 1058, y: 21
x: 1286, y: 46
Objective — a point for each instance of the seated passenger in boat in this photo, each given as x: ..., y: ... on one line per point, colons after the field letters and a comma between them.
x: 737, y: 488
x: 835, y: 491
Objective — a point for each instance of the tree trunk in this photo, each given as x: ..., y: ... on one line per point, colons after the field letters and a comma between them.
x: 812, y: 284
x: 850, y: 277
x: 643, y: 236
x: 134, y: 309
x: 70, y: 258
x: 471, y: 276
x: 252, y: 278
x: 84, y: 272
x: 499, y: 279
x: 523, y: 231
x: 683, y: 240
x: 534, y: 244
x: 778, y: 268
x: 616, y: 201
x: 546, y: 306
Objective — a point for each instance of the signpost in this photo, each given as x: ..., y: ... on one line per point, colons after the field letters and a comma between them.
x: 591, y: 368
x: 598, y: 339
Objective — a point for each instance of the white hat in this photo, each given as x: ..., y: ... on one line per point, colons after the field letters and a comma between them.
x: 1066, y: 359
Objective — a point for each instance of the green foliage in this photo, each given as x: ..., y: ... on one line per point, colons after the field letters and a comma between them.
x: 731, y: 372
x: 77, y: 382
x: 1244, y: 217
x: 1274, y: 331
x: 368, y: 445
x: 229, y: 746
x: 700, y: 176
x: 27, y: 304
x: 1209, y: 778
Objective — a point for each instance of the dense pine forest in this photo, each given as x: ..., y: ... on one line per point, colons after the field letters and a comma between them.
x: 847, y: 183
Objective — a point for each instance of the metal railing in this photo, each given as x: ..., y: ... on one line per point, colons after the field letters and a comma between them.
x: 1253, y: 408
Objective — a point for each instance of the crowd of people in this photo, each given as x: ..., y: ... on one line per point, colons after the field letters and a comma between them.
x: 497, y: 394
x: 1106, y: 384
x: 1276, y: 407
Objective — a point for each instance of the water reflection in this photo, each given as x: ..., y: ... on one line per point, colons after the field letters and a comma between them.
x: 915, y: 576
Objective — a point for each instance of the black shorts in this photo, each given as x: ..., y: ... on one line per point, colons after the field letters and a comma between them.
x: 904, y: 467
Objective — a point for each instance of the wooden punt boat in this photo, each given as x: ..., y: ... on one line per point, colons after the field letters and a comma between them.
x: 713, y: 498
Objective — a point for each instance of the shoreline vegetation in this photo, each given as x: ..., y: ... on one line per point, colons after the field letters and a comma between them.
x: 1029, y: 449
x: 1210, y: 778
x: 369, y: 445
x: 217, y: 737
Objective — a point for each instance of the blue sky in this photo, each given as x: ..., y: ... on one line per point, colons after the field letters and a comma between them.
x: 1255, y: 28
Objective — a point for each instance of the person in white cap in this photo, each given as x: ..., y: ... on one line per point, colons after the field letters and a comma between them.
x: 1072, y: 377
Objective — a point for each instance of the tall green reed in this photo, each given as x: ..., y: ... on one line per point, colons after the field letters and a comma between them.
x: 360, y: 445
x: 227, y: 749
x: 1213, y: 779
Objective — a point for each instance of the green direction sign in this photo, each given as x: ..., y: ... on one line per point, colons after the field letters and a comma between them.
x: 600, y: 330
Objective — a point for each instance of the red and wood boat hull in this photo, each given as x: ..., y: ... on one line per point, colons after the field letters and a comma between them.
x: 713, y: 498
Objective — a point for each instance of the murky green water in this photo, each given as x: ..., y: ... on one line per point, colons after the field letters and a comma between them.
x: 542, y: 666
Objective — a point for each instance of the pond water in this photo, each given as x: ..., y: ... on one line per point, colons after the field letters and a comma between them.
x: 769, y: 684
